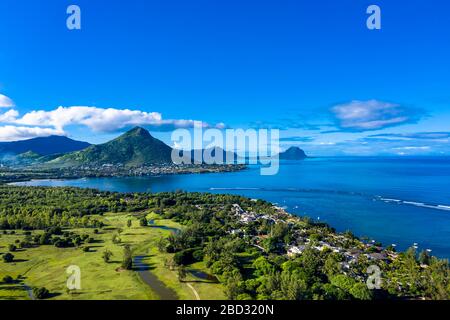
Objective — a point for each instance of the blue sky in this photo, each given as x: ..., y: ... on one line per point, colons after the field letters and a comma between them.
x: 310, y: 68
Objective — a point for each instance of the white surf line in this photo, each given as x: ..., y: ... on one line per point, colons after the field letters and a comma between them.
x: 193, y: 290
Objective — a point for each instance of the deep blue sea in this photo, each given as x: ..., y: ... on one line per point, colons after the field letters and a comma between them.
x: 398, y: 201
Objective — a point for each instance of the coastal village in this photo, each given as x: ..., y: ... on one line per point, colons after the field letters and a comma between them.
x: 333, y: 242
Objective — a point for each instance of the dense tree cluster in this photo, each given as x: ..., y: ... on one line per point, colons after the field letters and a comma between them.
x: 250, y: 273
x: 39, y: 208
x: 249, y: 258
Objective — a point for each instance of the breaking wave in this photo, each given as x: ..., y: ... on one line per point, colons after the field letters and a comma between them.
x: 341, y: 192
x: 416, y: 204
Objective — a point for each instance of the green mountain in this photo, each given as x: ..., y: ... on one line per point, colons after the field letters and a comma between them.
x: 42, y: 146
x: 132, y: 149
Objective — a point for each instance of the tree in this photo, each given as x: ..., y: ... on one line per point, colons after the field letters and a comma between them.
x: 343, y: 282
x: 116, y: 239
x: 182, y: 273
x: 233, y: 286
x: 12, y: 248
x: 424, y: 258
x: 332, y: 266
x: 184, y: 257
x: 311, y: 264
x: 107, y: 255
x: 40, y: 293
x: 143, y: 222
x: 8, y: 279
x: 292, y: 286
x: 162, y: 245
x: 127, y: 262
x: 77, y: 241
x: 334, y: 293
x: 45, y: 238
x: 361, y: 292
x: 129, y: 223
x: 263, y: 266
x: 437, y: 284
x: 8, y: 257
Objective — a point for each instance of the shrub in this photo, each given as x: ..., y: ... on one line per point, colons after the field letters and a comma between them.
x: 361, y: 292
x: 40, y: 293
x: 45, y: 238
x: 8, y: 279
x: 184, y: 257
x: 198, y: 255
x: 116, y: 239
x: 12, y: 248
x: 244, y: 296
x: 170, y: 248
x: 127, y: 262
x: 143, y: 222
x: 107, y: 255
x: 8, y: 257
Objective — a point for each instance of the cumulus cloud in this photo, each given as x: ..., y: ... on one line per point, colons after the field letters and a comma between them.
x: 14, y: 133
x: 9, y: 116
x: 372, y: 115
x: 6, y: 102
x: 96, y: 119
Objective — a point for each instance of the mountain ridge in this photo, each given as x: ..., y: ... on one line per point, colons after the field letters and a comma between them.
x: 43, y: 146
x: 136, y: 147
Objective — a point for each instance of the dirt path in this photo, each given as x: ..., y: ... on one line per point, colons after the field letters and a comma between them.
x: 193, y: 290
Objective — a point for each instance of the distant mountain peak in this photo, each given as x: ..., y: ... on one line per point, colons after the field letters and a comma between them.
x: 293, y: 153
x: 43, y: 145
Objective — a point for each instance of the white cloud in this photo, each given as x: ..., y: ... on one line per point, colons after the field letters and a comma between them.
x: 97, y: 119
x: 9, y: 116
x: 6, y: 102
x: 14, y: 133
x: 413, y: 148
x: 221, y: 125
x: 443, y: 136
x: 371, y: 115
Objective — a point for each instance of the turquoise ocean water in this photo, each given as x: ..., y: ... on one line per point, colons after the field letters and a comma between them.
x: 398, y: 201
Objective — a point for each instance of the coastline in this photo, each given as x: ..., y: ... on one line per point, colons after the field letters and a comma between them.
x: 36, y: 174
x: 267, y: 233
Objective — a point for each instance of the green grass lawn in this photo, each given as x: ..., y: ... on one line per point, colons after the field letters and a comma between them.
x: 45, y: 266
